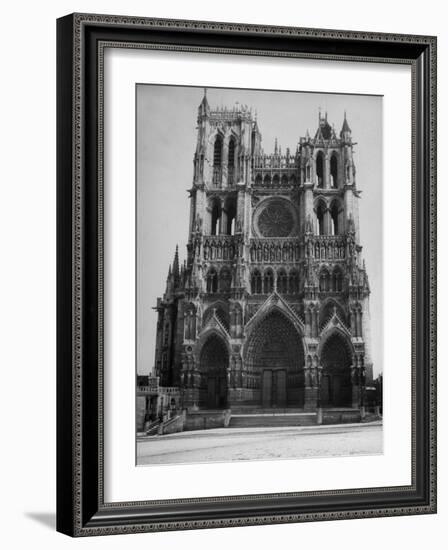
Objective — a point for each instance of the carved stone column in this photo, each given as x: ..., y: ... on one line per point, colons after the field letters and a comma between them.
x: 235, y: 380
x: 307, y: 321
x: 356, y: 382
x: 190, y: 382
x: 311, y: 384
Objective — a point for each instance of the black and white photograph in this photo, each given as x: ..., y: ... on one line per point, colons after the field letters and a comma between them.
x: 221, y: 252
x: 259, y: 275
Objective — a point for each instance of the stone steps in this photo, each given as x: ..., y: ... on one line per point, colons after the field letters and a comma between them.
x: 264, y: 420
x: 250, y: 409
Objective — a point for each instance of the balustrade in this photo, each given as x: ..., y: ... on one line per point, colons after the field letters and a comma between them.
x: 275, y: 161
x: 329, y: 247
x: 219, y: 247
x: 272, y: 179
x: 274, y: 251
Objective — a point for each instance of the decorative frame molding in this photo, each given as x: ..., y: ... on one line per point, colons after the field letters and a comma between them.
x: 81, y: 39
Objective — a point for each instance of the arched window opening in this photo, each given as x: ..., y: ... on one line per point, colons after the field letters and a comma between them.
x: 334, y: 215
x: 320, y: 169
x: 258, y: 180
x: 217, y: 160
x: 215, y: 218
x: 268, y: 282
x: 217, y: 153
x: 282, y: 282
x: 337, y: 280
x: 324, y: 281
x: 231, y: 163
x: 267, y: 180
x: 275, y: 180
x: 212, y: 281
x: 284, y: 180
x: 308, y: 172
x: 255, y: 282
x: 293, y: 180
x: 294, y: 282
x: 231, y: 215
x: 320, y: 213
x: 334, y: 171
x: 225, y: 280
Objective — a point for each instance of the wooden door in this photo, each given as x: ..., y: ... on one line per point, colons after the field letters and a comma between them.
x: 211, y: 393
x: 267, y: 388
x: 325, y: 390
x: 337, y: 391
x: 222, y: 392
x: 280, y: 397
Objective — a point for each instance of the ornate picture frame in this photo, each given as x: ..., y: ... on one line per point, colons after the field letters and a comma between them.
x: 81, y: 506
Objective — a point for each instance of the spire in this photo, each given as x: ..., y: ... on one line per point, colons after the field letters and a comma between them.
x: 176, y: 265
x: 169, y: 282
x: 204, y: 107
x: 324, y: 130
x: 276, y: 147
x: 346, y: 131
x: 322, y: 119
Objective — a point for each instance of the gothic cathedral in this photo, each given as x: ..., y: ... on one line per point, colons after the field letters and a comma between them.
x: 271, y: 307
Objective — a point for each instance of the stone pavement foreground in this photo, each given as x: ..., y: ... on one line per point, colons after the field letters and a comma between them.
x: 229, y: 444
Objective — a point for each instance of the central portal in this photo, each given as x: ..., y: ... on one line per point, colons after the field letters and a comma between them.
x: 274, y: 388
x: 274, y: 359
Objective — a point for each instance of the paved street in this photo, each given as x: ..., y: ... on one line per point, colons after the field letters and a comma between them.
x: 227, y: 444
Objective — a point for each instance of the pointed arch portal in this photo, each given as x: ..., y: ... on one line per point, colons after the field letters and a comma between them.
x: 274, y: 362
x: 336, y: 388
x: 213, y: 362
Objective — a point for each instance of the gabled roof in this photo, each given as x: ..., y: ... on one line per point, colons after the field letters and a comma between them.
x: 275, y: 301
x: 215, y: 324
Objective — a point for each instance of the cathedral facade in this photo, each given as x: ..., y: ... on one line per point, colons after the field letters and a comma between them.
x: 271, y: 307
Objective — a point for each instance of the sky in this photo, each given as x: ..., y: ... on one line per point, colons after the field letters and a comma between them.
x: 166, y: 141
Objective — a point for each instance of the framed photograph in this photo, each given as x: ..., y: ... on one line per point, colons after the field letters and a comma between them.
x: 246, y: 274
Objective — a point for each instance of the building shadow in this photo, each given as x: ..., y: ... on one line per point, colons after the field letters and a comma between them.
x: 48, y: 519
